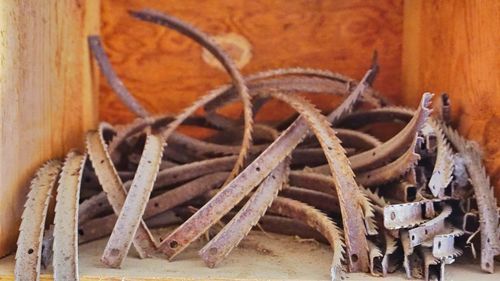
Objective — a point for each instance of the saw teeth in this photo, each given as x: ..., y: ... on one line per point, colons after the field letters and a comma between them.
x: 130, y: 220
x: 29, y: 243
x: 233, y: 232
x: 114, y: 188
x: 444, y: 166
x: 487, y: 205
x: 320, y: 222
x: 182, y: 181
x: 65, y: 257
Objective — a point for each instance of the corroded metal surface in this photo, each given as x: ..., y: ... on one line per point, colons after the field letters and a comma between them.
x: 404, y: 200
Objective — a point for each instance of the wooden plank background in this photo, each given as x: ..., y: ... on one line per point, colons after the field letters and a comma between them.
x: 453, y: 47
x: 47, y: 98
x: 166, y: 72
x: 448, y: 47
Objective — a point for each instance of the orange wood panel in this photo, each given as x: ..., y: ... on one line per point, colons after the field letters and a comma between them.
x: 47, y: 90
x: 166, y: 72
x: 453, y: 47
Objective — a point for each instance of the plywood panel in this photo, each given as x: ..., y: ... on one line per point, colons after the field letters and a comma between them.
x: 166, y: 72
x: 47, y: 99
x: 453, y: 47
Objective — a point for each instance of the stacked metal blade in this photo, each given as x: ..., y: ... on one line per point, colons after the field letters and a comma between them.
x: 415, y: 201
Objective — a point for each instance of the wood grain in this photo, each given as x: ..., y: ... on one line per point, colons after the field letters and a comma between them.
x: 46, y: 88
x: 452, y: 46
x: 166, y: 72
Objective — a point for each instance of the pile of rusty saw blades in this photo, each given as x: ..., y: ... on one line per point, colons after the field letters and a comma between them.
x: 415, y: 201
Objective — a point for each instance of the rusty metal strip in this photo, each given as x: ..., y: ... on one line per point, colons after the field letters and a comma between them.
x: 298, y: 104
x: 231, y: 124
x: 130, y: 217
x: 371, y: 96
x: 313, y: 181
x: 267, y: 223
x: 444, y: 165
x: 302, y: 83
x: 176, y: 154
x: 93, y: 206
x: 392, y: 148
x: 309, y: 156
x: 219, y: 101
x: 430, y: 228
x: 317, y: 220
x: 115, y: 191
x: 322, y: 188
x: 356, y: 139
x: 262, y: 133
x: 226, y: 61
x: 166, y: 164
x: 233, y: 232
x: 299, y: 82
x: 377, y: 156
x: 113, y: 80
x: 296, y: 84
x: 352, y: 139
x: 485, y: 197
x: 65, y: 259
x: 204, y: 40
x: 358, y: 119
x: 165, y: 219
x: 195, y: 169
x: 378, y: 201
x: 343, y: 177
x: 201, y: 148
x: 392, y: 171
x: 184, y: 193
x: 288, y: 226
x: 165, y: 134
x: 29, y: 242
x: 139, y: 125
x: 319, y: 200
x: 103, y: 226
x: 172, y: 126
x: 96, y: 204
x: 368, y: 211
x: 232, y: 193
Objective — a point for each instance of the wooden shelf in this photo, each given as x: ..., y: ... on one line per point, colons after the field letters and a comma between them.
x: 259, y: 257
